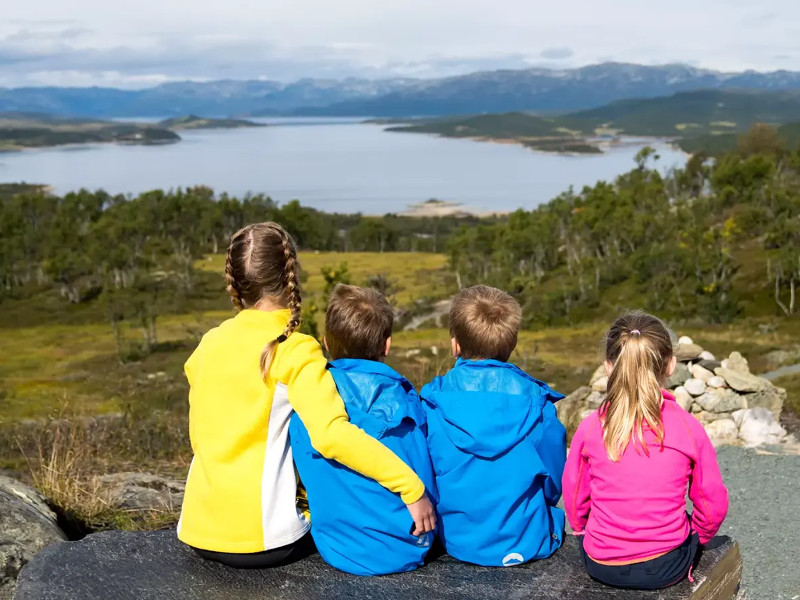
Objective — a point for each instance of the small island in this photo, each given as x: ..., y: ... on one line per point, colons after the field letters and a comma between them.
x: 20, y: 131
x: 195, y: 122
x: 531, y: 131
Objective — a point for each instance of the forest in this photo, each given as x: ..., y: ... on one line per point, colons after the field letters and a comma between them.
x: 708, y: 241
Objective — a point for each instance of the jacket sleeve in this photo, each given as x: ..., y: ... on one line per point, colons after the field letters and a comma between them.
x: 706, y: 490
x: 313, y: 395
x: 577, y: 494
x: 552, y: 449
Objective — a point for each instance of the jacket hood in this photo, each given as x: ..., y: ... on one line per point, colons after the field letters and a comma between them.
x: 487, y: 407
x: 377, y: 397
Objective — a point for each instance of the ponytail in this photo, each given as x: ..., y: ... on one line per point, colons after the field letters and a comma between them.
x: 639, y: 347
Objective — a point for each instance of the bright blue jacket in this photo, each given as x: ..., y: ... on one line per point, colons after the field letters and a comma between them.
x: 498, y: 452
x: 357, y: 525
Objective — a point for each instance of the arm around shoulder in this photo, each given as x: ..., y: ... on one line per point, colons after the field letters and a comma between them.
x: 312, y: 394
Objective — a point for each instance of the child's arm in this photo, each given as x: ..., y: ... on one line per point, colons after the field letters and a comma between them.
x: 313, y: 395
x: 552, y: 449
x: 577, y: 494
x: 706, y: 490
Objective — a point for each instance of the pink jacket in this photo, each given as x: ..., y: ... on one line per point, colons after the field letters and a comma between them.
x: 635, y: 509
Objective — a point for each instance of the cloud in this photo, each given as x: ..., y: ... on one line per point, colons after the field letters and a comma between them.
x: 557, y: 53
x: 86, y: 42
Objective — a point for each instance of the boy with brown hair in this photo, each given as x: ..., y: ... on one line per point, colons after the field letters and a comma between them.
x: 497, y: 446
x: 357, y: 525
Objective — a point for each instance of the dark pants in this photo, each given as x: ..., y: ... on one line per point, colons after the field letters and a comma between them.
x: 654, y: 574
x: 262, y: 560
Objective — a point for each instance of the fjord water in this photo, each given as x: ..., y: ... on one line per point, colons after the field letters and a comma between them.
x: 340, y: 165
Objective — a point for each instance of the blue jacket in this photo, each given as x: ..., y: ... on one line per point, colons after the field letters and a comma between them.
x: 357, y: 525
x: 498, y: 452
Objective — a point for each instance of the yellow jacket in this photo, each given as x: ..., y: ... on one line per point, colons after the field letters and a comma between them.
x: 241, y: 492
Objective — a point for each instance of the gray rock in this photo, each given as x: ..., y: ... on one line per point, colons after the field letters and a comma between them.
x: 737, y: 362
x: 709, y: 417
x: 156, y: 566
x: 770, y: 397
x: 695, y: 387
x: 571, y: 408
x: 722, y: 431
x: 26, y: 526
x: 142, y: 491
x: 685, y: 352
x: 701, y: 373
x: 595, y: 399
x: 600, y: 384
x: 720, y: 401
x: 679, y: 377
x: 758, y: 426
x: 741, y: 381
x: 683, y: 398
x: 598, y: 373
x: 715, y: 382
x: 706, y: 355
x: 710, y: 364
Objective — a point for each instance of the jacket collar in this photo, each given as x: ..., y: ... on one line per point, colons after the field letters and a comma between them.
x: 491, y: 363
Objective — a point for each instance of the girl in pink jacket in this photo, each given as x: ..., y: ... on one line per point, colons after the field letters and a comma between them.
x: 630, y: 464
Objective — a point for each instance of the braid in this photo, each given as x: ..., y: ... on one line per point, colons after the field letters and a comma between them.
x: 233, y: 286
x: 292, y: 285
x: 292, y: 291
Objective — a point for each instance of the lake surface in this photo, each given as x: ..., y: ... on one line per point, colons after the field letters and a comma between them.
x: 338, y: 165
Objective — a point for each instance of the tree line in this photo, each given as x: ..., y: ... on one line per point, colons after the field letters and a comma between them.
x: 674, y: 244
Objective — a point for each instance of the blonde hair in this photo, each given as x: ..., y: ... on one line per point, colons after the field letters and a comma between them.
x: 640, y: 348
x: 485, y: 322
x: 357, y: 323
x: 262, y: 262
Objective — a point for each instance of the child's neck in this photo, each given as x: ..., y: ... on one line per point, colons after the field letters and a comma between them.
x: 269, y: 304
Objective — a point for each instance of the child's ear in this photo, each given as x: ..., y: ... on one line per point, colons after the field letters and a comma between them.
x: 455, y: 348
x: 325, y: 343
x: 609, y: 367
x: 672, y: 365
x: 388, y: 346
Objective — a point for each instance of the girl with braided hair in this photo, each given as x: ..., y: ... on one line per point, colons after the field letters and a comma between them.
x: 247, y: 377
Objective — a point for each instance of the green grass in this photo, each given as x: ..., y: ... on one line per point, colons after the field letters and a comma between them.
x: 413, y: 274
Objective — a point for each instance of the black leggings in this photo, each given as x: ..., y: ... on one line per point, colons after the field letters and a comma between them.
x: 654, y: 574
x: 262, y: 560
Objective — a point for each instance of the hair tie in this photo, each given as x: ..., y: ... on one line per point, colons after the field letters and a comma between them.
x: 635, y: 331
x: 280, y: 339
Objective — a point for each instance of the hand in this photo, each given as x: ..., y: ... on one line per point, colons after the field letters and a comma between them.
x: 423, y: 514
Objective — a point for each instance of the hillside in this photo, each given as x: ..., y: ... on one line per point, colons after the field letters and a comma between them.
x: 696, y: 112
x: 715, y: 144
x: 540, y: 90
x: 552, y: 91
x: 708, y: 120
x: 536, y: 132
x: 195, y: 122
x: 28, y: 130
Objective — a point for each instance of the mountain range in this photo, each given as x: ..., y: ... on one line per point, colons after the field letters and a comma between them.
x: 538, y: 90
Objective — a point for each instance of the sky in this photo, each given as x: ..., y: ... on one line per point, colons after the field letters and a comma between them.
x: 134, y: 44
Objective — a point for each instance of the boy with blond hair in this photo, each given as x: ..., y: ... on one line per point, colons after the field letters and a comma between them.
x: 357, y: 525
x: 497, y: 446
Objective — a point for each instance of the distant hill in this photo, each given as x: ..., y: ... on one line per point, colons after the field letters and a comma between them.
x: 551, y: 91
x: 696, y: 112
x: 706, y: 119
x: 195, y: 122
x: 541, y: 133
x: 30, y: 130
x: 536, y: 90
x: 716, y: 144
